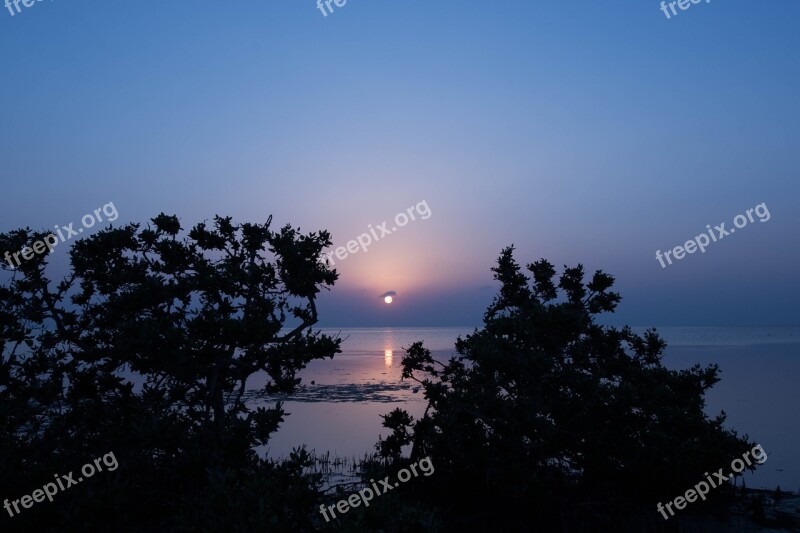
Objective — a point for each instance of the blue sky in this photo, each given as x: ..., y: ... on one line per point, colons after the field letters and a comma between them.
x: 593, y: 132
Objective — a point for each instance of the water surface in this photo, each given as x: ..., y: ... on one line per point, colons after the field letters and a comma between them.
x: 341, y: 411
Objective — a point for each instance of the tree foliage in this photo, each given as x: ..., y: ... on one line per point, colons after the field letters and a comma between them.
x: 546, y: 417
x: 144, y: 348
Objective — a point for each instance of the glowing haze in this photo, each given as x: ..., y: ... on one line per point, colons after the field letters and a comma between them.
x: 580, y: 132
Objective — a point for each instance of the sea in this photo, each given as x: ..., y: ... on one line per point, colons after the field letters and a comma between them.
x: 339, y: 404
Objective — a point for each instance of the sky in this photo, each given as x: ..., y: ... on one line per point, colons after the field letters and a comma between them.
x: 579, y: 132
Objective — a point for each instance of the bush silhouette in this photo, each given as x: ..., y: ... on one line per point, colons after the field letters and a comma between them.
x: 547, y: 419
x: 144, y: 349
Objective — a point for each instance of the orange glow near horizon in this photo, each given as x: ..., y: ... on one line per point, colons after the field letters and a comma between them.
x: 409, y: 264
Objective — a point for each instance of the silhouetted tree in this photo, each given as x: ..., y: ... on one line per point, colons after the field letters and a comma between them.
x: 546, y: 418
x: 144, y: 349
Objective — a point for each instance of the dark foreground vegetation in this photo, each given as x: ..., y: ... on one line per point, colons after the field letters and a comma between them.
x: 544, y: 421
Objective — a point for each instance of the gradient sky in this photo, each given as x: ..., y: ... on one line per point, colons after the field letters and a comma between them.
x: 584, y: 131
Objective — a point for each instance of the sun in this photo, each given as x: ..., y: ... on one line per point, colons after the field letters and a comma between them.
x: 388, y: 299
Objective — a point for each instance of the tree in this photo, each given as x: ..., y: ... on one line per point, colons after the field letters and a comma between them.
x: 546, y: 417
x: 145, y: 348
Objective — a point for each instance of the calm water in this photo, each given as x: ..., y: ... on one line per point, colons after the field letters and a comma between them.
x: 760, y: 367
